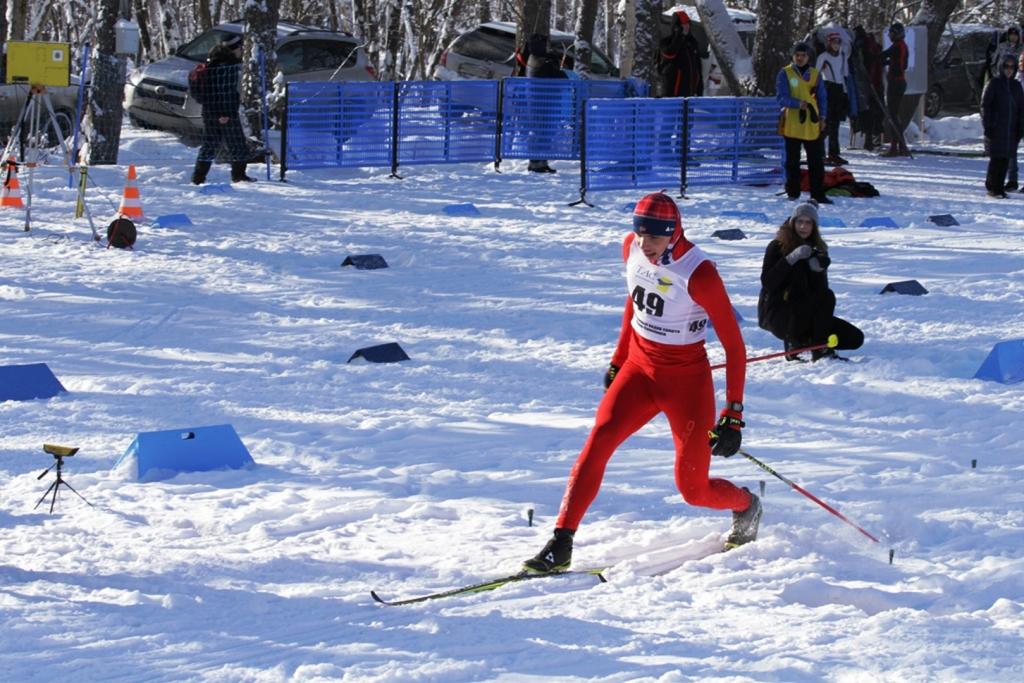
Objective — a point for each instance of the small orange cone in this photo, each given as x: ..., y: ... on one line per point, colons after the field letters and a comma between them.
x: 12, y: 189
x: 131, y: 207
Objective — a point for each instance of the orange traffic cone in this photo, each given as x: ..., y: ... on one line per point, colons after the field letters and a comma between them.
x: 12, y: 189
x: 131, y: 207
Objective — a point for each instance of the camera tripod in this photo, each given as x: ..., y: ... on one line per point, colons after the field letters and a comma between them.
x: 37, y: 106
x: 58, y: 453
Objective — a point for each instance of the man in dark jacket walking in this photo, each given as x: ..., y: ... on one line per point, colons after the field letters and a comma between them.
x: 679, y: 61
x: 220, y: 100
x: 1002, y: 118
x: 540, y: 63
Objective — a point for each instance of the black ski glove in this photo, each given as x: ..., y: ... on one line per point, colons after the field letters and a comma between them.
x: 725, y: 437
x: 609, y: 375
x: 819, y: 262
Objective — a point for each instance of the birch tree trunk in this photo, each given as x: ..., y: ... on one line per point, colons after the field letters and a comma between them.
x: 585, y: 37
x: 645, y: 40
x: 3, y: 34
x: 772, y: 43
x: 391, y: 40
x: 626, y: 25
x: 203, y: 14
x: 536, y: 18
x: 805, y: 17
x: 170, y: 29
x: 260, y: 34
x: 141, y: 9
x: 731, y: 55
x: 18, y: 19
x: 103, y: 117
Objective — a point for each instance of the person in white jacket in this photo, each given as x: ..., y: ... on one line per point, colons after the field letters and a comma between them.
x: 832, y: 65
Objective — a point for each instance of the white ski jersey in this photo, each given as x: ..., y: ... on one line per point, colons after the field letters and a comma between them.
x: 663, y: 310
x: 833, y: 67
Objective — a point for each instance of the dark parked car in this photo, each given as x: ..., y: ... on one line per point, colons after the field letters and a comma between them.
x: 955, y: 81
x: 156, y: 95
x: 65, y: 104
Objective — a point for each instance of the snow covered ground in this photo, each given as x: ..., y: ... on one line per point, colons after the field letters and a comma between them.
x: 414, y: 477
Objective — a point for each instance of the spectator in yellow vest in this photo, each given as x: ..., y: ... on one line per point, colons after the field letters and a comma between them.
x: 800, y: 93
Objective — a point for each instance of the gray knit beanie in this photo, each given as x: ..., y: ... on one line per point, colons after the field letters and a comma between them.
x: 808, y: 209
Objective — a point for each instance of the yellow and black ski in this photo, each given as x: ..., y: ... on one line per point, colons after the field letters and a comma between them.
x: 488, y: 585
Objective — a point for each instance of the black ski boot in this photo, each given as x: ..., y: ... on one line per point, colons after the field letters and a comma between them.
x: 827, y: 354
x: 789, y: 345
x: 200, y: 171
x: 238, y: 173
x: 540, y: 166
x: 555, y: 557
x: 744, y: 524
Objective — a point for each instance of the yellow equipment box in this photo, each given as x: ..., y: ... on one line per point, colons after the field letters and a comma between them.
x: 39, y: 63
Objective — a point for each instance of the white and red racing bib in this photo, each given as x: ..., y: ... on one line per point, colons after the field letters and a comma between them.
x: 663, y: 311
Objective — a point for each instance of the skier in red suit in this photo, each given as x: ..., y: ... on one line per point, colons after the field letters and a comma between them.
x: 660, y: 366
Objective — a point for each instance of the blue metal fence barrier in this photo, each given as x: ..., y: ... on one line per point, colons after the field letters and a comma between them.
x: 633, y: 143
x: 540, y: 117
x: 623, y: 143
x: 689, y: 142
x: 341, y: 124
x: 733, y: 140
x: 442, y: 122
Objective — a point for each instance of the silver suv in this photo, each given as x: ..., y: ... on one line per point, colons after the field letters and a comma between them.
x: 488, y: 51
x: 156, y: 95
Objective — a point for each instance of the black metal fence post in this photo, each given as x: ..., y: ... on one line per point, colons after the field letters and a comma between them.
x: 501, y: 128
x: 583, y: 158
x: 284, y: 132
x: 394, y: 131
x: 684, y: 148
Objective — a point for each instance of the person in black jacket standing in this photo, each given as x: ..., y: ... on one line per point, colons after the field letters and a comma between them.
x: 220, y: 102
x: 679, y: 61
x: 1002, y: 118
x: 896, y: 57
x: 796, y: 304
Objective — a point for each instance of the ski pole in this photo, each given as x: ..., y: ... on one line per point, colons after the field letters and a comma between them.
x: 833, y: 342
x: 799, y: 489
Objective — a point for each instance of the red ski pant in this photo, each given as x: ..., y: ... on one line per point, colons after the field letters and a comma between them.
x: 685, y: 393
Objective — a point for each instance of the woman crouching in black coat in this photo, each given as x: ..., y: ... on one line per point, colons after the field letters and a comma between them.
x: 796, y: 304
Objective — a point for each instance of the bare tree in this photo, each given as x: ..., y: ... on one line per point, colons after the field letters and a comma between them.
x: 585, y: 36
x: 142, y: 18
x: 772, y: 42
x: 261, y: 18
x: 103, y: 117
x: 535, y: 18
x: 933, y: 14
x: 626, y: 25
x: 730, y: 53
x: 18, y: 19
x: 805, y: 17
x: 645, y: 40
x: 3, y: 34
x: 203, y: 14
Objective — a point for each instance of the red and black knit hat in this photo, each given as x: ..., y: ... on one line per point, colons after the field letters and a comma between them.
x: 657, y: 215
